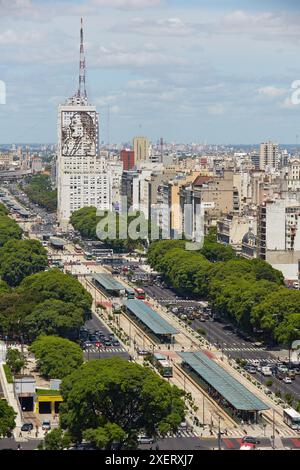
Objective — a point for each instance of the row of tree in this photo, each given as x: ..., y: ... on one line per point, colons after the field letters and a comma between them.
x: 46, y: 303
x: 9, y: 229
x: 39, y: 190
x: 250, y: 293
x: 111, y: 228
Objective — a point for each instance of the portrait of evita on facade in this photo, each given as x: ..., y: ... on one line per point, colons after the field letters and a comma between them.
x: 79, y: 134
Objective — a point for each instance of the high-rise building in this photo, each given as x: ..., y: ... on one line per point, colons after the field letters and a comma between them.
x: 127, y: 157
x: 82, y: 179
x: 268, y: 155
x: 141, y: 149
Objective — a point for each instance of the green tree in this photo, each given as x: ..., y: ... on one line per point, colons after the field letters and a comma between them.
x: 112, y: 397
x: 9, y: 229
x: 56, y: 439
x: 15, y: 360
x: 7, y: 419
x: 54, y: 284
x: 54, y: 317
x: 21, y: 258
x: 39, y: 190
x: 104, y: 437
x: 56, y: 357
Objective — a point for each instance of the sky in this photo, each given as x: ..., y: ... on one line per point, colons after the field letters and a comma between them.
x: 215, y: 71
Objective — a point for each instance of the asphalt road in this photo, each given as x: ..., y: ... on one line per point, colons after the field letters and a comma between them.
x: 96, y: 324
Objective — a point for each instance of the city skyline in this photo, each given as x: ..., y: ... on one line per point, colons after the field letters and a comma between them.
x: 154, y: 68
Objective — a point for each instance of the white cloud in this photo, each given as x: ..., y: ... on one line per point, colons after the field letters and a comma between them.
x: 216, y: 109
x: 127, y: 4
x: 271, y: 91
x: 172, y: 26
x: 10, y: 37
x: 110, y: 57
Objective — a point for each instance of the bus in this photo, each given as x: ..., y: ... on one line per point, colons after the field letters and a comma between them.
x: 88, y: 255
x: 140, y: 293
x: 292, y: 418
x: 163, y: 366
x: 116, y: 308
x: 130, y: 294
x: 78, y: 249
x: 102, y: 253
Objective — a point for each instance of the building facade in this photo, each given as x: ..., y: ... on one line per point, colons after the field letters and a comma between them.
x: 82, y: 179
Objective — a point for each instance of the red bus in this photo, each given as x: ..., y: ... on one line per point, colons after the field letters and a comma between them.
x: 140, y: 293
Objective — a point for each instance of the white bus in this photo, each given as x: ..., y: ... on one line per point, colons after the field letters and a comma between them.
x: 292, y: 418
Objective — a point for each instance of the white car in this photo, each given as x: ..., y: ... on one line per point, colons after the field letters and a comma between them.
x: 145, y: 440
x: 287, y: 380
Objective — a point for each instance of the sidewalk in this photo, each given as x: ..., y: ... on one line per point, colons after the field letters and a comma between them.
x: 11, y: 400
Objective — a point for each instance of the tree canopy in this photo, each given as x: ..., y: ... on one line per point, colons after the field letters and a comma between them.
x: 21, y: 258
x: 89, y: 224
x: 15, y: 360
x: 56, y: 357
x: 7, y: 419
x: 54, y: 284
x: 54, y: 317
x: 38, y: 189
x: 249, y: 293
x: 9, y: 229
x: 113, y: 400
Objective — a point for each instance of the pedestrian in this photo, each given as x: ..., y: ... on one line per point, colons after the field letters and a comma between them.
x: 19, y: 447
x: 20, y: 435
x: 157, y: 447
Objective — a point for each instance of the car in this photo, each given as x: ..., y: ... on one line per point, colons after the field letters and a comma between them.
x: 93, y: 338
x: 228, y: 328
x: 27, y: 427
x: 250, y: 440
x: 116, y: 343
x: 252, y: 370
x: 287, y: 380
x: 107, y: 342
x: 87, y: 344
x: 46, y: 425
x: 145, y: 440
x: 142, y: 352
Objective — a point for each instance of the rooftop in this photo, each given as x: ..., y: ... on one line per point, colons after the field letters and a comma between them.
x: 150, y: 317
x: 108, y: 282
x: 228, y: 387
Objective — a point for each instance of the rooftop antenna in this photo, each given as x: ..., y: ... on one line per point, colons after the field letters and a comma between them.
x: 82, y: 69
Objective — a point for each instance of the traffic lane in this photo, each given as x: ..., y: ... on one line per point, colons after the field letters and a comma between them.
x: 181, y: 443
x: 11, y: 444
x: 105, y: 355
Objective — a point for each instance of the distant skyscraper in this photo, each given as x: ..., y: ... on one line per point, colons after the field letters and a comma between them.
x: 268, y: 155
x: 127, y: 157
x: 141, y: 149
x: 81, y: 176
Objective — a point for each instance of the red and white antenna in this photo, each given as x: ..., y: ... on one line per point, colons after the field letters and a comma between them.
x: 82, y: 69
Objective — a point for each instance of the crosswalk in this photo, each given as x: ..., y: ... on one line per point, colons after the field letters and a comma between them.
x: 182, y: 433
x: 241, y: 349
x: 270, y: 361
x: 100, y: 350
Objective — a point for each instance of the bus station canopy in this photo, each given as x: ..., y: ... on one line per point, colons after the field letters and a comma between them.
x: 149, y: 317
x: 108, y: 282
x: 220, y: 380
x: 57, y: 242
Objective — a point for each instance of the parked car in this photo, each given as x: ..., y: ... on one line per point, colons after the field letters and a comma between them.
x: 27, y: 427
x: 46, y: 425
x: 116, y: 342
